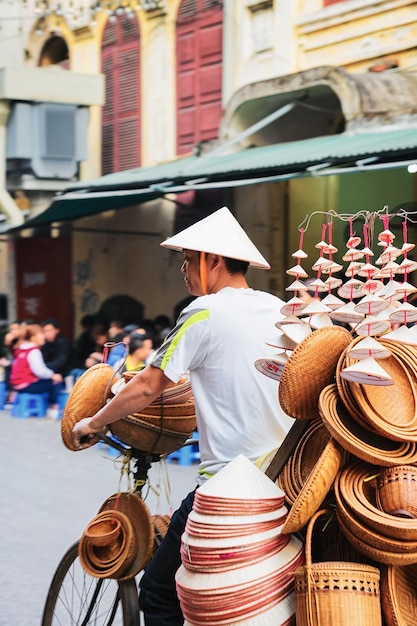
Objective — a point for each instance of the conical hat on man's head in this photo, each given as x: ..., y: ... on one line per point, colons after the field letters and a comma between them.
x: 219, y: 233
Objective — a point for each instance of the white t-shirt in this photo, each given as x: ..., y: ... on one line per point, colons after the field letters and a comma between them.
x: 217, y: 339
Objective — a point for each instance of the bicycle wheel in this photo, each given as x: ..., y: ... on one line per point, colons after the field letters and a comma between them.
x: 77, y: 599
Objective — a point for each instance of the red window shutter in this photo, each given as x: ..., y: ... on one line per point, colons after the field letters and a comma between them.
x: 121, y: 113
x: 199, y: 64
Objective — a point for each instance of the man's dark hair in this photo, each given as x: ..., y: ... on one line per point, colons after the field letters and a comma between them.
x: 234, y: 266
x: 51, y: 320
x: 136, y: 341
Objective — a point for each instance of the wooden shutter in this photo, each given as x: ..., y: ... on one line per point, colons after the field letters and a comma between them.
x: 121, y: 118
x: 199, y: 63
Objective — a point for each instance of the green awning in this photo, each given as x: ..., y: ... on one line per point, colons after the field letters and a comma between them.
x: 334, y: 154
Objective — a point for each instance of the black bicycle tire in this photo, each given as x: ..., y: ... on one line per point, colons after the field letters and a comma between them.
x: 127, y: 590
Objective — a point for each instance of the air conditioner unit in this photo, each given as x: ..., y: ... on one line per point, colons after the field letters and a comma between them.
x: 48, y: 139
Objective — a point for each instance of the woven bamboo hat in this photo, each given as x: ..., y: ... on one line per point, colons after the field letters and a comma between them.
x: 318, y: 462
x: 107, y: 554
x: 88, y: 395
x: 311, y: 367
x: 219, y: 233
x: 136, y: 510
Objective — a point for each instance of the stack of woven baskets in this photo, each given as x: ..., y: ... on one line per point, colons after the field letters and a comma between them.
x: 358, y: 455
x: 164, y: 425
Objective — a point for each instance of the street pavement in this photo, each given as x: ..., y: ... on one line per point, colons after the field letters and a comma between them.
x: 48, y: 495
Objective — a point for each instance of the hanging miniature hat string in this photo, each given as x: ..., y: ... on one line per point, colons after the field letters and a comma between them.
x: 203, y: 272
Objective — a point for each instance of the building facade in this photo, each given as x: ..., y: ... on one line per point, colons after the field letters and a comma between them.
x: 129, y: 86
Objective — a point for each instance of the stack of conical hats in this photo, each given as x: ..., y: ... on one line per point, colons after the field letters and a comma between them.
x: 237, y: 566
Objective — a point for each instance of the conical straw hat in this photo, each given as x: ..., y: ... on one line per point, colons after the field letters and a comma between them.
x: 311, y: 367
x: 367, y: 372
x: 240, y: 478
x: 371, y: 304
x: 346, y: 313
x: 219, y: 233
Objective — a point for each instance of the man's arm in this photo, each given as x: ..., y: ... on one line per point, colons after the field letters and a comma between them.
x: 140, y: 391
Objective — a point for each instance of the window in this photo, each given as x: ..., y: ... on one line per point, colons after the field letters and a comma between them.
x: 121, y: 137
x: 199, y: 75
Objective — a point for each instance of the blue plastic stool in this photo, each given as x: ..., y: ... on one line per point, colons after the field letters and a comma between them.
x: 62, y: 400
x: 3, y: 395
x: 29, y: 405
x: 187, y: 454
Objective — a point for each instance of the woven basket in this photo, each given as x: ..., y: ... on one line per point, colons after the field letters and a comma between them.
x: 336, y: 593
x: 396, y: 491
x: 311, y: 366
x: 88, y: 395
x: 146, y: 437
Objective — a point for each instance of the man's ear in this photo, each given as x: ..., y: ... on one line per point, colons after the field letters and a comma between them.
x: 214, y: 261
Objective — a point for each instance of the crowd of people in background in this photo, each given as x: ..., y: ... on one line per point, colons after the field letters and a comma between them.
x: 36, y: 358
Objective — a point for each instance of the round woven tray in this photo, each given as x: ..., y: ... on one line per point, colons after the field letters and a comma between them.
x: 366, y: 445
x: 148, y: 438
x: 370, y: 542
x: 88, y: 396
x: 311, y: 367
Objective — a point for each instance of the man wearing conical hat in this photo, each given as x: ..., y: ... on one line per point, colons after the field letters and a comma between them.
x: 217, y: 339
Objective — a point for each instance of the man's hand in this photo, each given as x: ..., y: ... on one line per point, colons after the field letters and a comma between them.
x: 84, y: 435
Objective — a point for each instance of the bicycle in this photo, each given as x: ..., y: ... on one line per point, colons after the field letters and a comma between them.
x: 77, y: 599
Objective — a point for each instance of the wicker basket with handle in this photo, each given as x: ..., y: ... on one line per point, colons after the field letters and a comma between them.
x: 336, y: 592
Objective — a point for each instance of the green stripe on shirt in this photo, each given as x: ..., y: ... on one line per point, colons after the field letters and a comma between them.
x: 197, y: 317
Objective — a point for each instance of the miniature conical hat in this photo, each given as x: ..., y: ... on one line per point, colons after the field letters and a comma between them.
x: 299, y: 254
x: 315, y: 307
x: 272, y: 367
x: 389, y: 291
x: 219, y: 233
x: 282, y: 341
x: 400, y: 335
x: 297, y: 332
x: 372, y: 325
x: 319, y: 321
x: 406, y: 266
x: 333, y: 302
x: 371, y: 286
x: 297, y: 285
x: 351, y: 289
x: 288, y: 319
x: 318, y: 285
x: 333, y: 283
x: 352, y: 255
x: 346, y: 313
x: 321, y: 263
x: 333, y: 268
x: 368, y: 347
x: 406, y: 288
x: 371, y: 304
x: 367, y: 371
x: 293, y: 306
x: 405, y: 313
x: 297, y: 270
x: 241, y: 479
